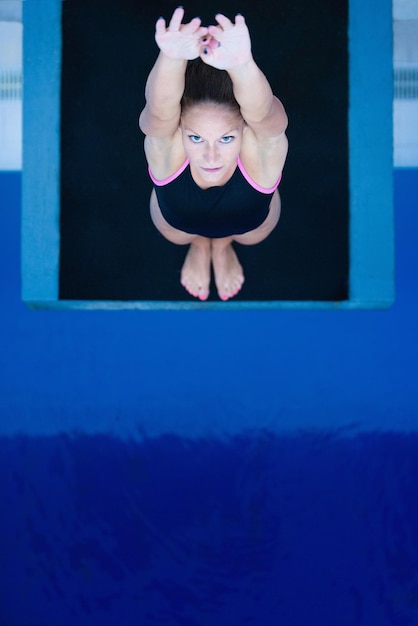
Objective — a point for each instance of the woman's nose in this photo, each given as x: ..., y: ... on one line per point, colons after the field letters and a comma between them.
x: 211, y: 154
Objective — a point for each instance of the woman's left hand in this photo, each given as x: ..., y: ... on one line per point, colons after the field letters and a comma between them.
x: 228, y: 44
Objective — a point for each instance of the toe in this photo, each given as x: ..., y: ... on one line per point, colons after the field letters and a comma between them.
x: 197, y: 291
x: 229, y: 291
x: 189, y: 288
x: 202, y: 293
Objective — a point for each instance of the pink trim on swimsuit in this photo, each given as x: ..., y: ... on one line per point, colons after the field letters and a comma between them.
x: 253, y: 183
x: 166, y: 181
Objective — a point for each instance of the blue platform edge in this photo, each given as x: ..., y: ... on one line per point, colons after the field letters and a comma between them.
x: 372, y: 253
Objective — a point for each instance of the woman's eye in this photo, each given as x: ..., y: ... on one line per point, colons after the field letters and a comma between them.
x: 195, y: 138
x: 227, y: 139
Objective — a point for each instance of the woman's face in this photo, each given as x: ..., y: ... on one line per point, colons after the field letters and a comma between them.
x: 212, y: 137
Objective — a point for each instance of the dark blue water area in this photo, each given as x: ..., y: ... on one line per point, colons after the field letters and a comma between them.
x: 314, y: 528
x: 263, y: 472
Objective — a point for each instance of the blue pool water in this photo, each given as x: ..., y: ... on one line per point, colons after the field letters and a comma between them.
x: 199, y: 468
x: 254, y: 529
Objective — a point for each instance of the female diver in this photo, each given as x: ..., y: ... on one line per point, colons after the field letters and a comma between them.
x: 215, y: 144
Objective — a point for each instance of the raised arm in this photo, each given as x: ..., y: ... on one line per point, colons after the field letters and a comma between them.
x: 165, y: 84
x: 229, y: 48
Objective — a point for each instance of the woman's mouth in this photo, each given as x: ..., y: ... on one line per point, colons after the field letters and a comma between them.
x: 211, y: 170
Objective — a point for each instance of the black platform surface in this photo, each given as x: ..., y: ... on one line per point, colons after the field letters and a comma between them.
x: 110, y: 249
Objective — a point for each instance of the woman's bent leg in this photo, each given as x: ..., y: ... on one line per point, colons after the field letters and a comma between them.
x: 195, y: 273
x: 229, y: 276
x: 262, y: 232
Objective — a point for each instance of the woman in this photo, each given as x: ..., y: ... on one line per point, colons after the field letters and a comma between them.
x: 215, y: 144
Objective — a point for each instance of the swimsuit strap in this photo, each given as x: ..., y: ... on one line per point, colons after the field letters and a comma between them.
x: 250, y: 181
x: 166, y: 181
x: 253, y: 183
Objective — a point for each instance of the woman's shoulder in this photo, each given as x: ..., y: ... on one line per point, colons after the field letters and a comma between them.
x: 263, y: 160
x: 165, y: 156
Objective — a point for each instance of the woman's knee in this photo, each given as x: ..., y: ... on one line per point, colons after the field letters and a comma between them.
x: 259, y: 234
x: 164, y: 228
x: 173, y: 235
x: 262, y: 232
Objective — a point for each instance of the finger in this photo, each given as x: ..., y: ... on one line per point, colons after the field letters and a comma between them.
x: 205, y: 53
x: 205, y: 49
x: 176, y: 19
x: 160, y: 26
x: 202, y: 32
x: 209, y: 43
x: 192, y: 26
x: 239, y: 19
x: 224, y: 21
x: 216, y: 32
x: 213, y: 44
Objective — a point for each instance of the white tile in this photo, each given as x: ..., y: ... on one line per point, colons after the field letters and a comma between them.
x: 405, y: 128
x: 10, y: 102
x: 10, y: 44
x: 11, y: 135
x: 405, y: 41
x: 11, y: 10
x: 405, y: 9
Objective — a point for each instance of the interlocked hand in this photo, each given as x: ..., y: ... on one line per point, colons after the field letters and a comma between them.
x: 180, y: 41
x: 228, y: 44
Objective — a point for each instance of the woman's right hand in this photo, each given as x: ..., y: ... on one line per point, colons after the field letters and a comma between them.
x: 180, y: 41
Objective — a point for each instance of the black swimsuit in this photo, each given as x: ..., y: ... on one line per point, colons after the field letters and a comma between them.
x: 235, y: 208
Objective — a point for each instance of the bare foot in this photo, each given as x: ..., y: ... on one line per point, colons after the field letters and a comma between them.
x: 229, y: 276
x: 195, y: 273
